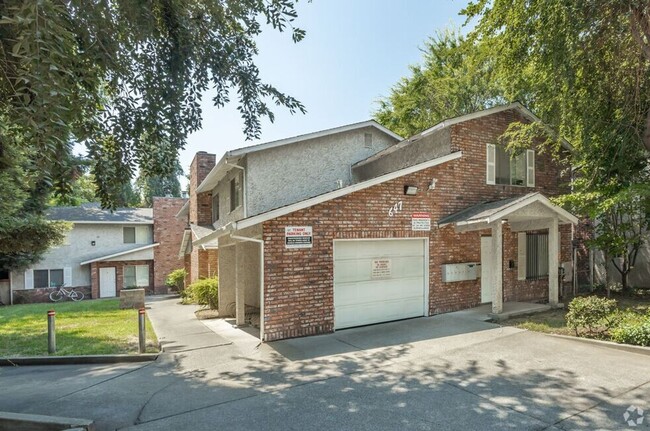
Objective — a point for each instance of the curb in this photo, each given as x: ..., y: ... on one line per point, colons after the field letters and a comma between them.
x: 9, y: 420
x: 74, y: 360
x: 608, y: 344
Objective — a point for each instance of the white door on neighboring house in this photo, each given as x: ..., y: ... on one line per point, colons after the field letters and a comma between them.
x: 486, y: 269
x: 107, y: 281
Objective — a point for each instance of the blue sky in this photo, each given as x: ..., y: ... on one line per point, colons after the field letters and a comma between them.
x: 354, y: 51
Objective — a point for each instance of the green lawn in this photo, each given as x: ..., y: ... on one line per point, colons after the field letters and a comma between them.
x: 92, y: 327
x: 554, y: 322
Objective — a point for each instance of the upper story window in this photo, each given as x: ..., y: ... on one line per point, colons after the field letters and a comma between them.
x: 128, y: 234
x: 235, y: 193
x: 503, y: 169
x: 215, y: 207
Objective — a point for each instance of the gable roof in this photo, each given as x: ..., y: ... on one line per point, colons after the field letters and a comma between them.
x: 515, y: 106
x: 94, y: 214
x: 287, y: 209
x: 489, y: 212
x: 233, y: 156
x: 119, y: 254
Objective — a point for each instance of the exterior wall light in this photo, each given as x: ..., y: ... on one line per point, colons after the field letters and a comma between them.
x: 410, y: 190
x: 92, y: 243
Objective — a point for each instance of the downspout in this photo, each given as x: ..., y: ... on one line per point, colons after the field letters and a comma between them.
x: 243, y: 187
x: 261, y: 243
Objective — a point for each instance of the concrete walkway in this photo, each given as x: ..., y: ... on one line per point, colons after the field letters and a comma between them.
x: 177, y: 328
x: 444, y: 372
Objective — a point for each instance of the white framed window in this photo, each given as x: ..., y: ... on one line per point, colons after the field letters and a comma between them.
x: 532, y: 256
x: 47, y: 278
x: 136, y: 276
x: 501, y: 168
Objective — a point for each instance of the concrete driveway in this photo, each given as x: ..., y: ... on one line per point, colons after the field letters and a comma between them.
x: 443, y: 372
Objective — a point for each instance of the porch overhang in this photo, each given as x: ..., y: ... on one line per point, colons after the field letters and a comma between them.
x: 529, y: 212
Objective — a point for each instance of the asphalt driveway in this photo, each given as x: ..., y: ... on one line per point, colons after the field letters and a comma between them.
x: 443, y: 372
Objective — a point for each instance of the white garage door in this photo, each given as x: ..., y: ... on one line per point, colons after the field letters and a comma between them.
x: 378, y: 281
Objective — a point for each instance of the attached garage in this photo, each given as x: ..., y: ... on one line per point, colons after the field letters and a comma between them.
x: 379, y: 280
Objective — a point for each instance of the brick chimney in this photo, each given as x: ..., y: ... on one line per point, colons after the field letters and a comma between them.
x: 201, y: 204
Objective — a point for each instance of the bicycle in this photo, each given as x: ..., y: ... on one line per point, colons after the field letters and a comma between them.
x: 61, y: 293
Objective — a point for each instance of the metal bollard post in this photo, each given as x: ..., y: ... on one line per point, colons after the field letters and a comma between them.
x: 51, y: 332
x: 142, y: 333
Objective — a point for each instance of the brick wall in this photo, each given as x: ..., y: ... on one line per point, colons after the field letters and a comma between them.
x: 42, y: 295
x: 202, y: 264
x: 119, y: 274
x: 298, y: 291
x: 168, y: 233
x: 200, y: 208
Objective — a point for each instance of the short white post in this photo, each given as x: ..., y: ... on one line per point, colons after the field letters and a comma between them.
x: 142, y: 335
x: 497, y: 266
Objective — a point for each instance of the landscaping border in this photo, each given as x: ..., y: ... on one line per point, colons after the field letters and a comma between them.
x: 608, y: 344
x: 73, y: 360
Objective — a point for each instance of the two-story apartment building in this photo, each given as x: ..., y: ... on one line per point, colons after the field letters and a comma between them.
x: 442, y: 221
x: 106, y: 251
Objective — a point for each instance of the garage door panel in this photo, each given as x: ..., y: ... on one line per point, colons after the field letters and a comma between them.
x: 360, y: 299
x: 374, y: 312
x: 357, y: 293
x: 371, y: 249
x: 361, y: 269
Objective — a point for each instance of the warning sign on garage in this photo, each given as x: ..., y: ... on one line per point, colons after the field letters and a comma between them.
x: 298, y: 237
x: 421, y: 221
x: 380, y: 268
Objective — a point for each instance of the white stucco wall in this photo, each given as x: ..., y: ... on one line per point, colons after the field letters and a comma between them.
x: 291, y: 173
x: 223, y: 188
x: 78, y: 248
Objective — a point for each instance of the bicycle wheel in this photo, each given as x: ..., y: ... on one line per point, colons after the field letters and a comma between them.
x: 56, y: 296
x: 76, y: 296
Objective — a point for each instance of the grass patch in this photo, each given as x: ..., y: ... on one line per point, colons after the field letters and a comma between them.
x: 96, y: 327
x: 632, y: 311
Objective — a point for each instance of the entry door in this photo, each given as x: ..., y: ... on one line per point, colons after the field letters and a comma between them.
x: 5, y: 292
x: 107, y: 282
x: 486, y: 269
x: 379, y: 281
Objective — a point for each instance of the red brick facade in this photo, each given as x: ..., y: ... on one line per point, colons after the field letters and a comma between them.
x: 168, y: 233
x: 200, y: 210
x: 298, y: 291
x: 119, y: 274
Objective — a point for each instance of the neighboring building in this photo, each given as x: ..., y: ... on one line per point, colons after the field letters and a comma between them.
x: 442, y: 221
x: 106, y: 251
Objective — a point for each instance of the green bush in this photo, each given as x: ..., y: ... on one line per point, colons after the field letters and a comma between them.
x: 592, y: 314
x: 205, y: 292
x: 632, y: 333
x: 176, y: 280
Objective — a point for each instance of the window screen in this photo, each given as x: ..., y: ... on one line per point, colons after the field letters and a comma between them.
x: 510, y: 171
x: 56, y: 277
x: 215, y: 207
x: 536, y: 255
x: 41, y: 278
x: 129, y: 235
x: 235, y: 200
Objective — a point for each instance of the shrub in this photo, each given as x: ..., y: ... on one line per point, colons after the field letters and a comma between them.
x: 205, y: 292
x: 176, y: 280
x: 633, y: 333
x: 591, y: 313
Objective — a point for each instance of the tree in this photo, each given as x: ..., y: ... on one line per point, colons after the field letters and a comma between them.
x: 126, y: 79
x: 148, y: 187
x: 453, y: 79
x: 584, y: 67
